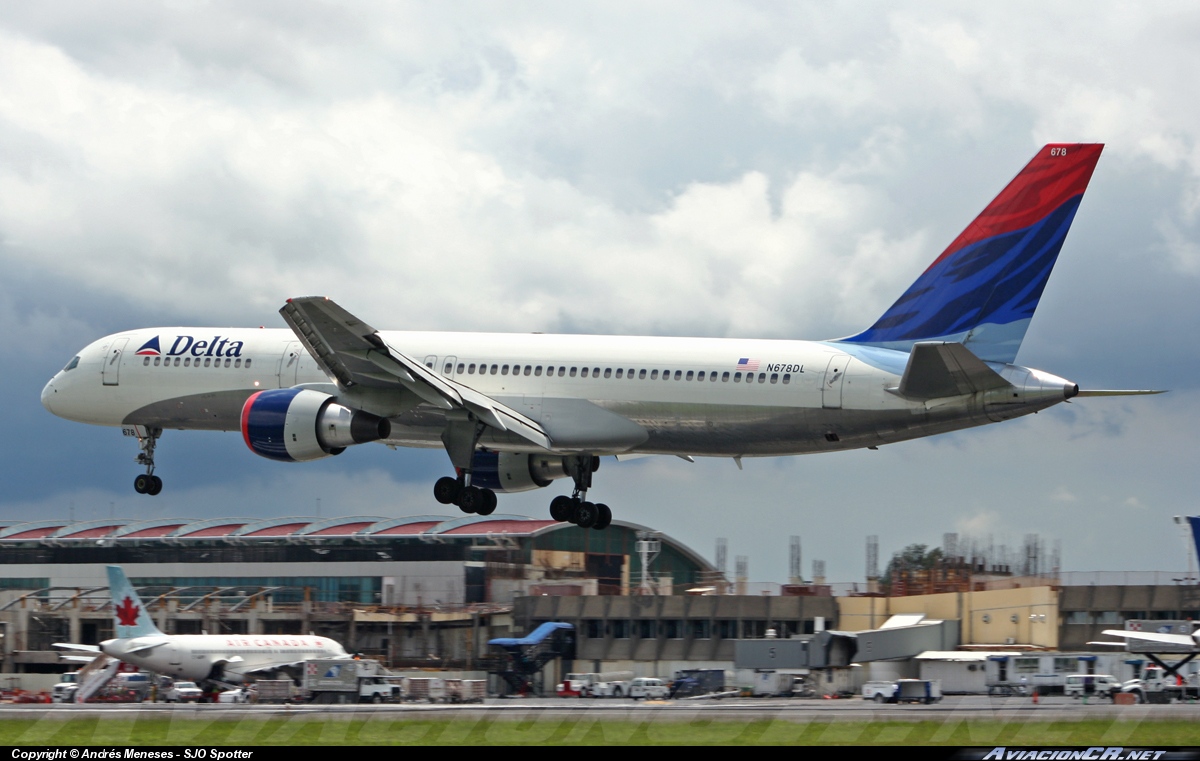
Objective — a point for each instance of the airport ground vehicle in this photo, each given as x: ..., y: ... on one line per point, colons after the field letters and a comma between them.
x: 465, y: 690
x: 431, y: 689
x: 880, y: 691
x: 1155, y: 687
x: 1083, y: 685
x: 773, y: 684
x: 918, y: 690
x: 275, y: 691
x: 183, y: 692
x: 64, y: 691
x: 238, y: 695
x: 692, y: 682
x: 606, y: 684
x: 349, y: 681
x: 648, y: 688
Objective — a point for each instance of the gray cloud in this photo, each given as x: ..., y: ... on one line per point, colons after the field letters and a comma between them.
x: 699, y: 169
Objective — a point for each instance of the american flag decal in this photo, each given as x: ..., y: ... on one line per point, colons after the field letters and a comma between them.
x: 749, y: 365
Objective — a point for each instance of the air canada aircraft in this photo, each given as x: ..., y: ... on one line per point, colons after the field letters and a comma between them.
x: 515, y: 412
x: 212, y: 658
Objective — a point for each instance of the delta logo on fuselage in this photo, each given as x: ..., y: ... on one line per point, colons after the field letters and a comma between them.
x: 217, y: 347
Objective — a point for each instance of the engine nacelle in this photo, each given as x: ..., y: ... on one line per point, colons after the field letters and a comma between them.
x: 508, y: 472
x: 299, y: 424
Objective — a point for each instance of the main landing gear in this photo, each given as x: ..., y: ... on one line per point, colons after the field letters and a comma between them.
x: 470, y: 499
x: 147, y: 483
x: 575, y: 508
x: 460, y: 438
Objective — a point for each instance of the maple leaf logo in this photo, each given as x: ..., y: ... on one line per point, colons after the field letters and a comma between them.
x: 127, y: 612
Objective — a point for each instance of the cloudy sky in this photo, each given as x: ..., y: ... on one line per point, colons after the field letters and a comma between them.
x: 701, y: 168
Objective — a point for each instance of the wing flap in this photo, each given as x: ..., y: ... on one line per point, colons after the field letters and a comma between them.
x: 937, y: 370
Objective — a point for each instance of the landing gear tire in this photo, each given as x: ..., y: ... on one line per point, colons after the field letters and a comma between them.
x: 155, y: 486
x: 447, y: 490
x: 603, y: 519
x: 489, y: 503
x: 560, y: 508
x: 470, y: 499
x: 142, y: 483
x: 586, y: 515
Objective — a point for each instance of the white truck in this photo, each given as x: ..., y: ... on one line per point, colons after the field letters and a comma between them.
x: 1086, y: 685
x: 1154, y: 687
x: 64, y: 691
x: 182, y: 692
x: 918, y: 690
x: 649, y: 688
x: 608, y: 684
x: 349, y: 681
x: 880, y: 691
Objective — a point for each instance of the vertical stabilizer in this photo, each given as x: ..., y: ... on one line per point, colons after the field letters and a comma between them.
x: 983, y: 289
x: 130, y: 617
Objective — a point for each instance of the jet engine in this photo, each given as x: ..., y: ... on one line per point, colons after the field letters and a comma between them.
x: 509, y: 472
x: 297, y: 424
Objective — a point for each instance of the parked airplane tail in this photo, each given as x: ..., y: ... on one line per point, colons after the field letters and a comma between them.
x: 130, y: 618
x: 983, y: 289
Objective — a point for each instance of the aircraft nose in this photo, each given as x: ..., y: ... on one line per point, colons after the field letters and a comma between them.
x: 48, y: 397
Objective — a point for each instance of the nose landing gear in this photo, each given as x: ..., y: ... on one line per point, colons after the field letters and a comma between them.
x: 146, y: 483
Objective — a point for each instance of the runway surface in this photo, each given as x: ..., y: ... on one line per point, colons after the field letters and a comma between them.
x: 730, y: 709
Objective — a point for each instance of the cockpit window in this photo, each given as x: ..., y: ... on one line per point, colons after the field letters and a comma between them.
x: 72, y: 364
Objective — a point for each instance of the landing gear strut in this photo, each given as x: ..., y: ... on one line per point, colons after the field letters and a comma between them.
x: 575, y: 508
x: 460, y: 438
x: 147, y: 483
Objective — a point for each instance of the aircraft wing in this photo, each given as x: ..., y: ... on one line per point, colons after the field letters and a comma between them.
x: 354, y: 353
x: 940, y: 369
x: 292, y: 667
x: 1184, y: 640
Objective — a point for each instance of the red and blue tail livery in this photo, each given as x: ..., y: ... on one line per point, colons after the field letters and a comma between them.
x: 983, y: 289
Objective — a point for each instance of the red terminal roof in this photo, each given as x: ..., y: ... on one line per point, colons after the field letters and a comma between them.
x: 500, y: 527
x: 343, y: 529
x: 154, y: 531
x: 284, y: 529
x: 37, y: 533
x: 92, y: 533
x: 408, y: 528
x: 224, y: 529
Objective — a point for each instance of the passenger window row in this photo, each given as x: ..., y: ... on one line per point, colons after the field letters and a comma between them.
x: 465, y: 368
x: 187, y: 362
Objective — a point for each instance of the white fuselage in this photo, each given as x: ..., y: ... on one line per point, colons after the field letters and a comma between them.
x: 199, y: 657
x: 693, y: 396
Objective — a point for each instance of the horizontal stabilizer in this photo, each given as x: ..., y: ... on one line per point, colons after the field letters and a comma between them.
x: 1120, y: 392
x: 936, y: 370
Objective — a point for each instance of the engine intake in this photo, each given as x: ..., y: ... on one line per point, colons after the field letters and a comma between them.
x: 298, y: 424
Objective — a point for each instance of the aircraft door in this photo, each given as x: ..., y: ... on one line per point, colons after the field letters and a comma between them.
x: 831, y: 388
x: 430, y: 361
x: 448, y: 366
x: 111, y: 371
x: 289, y: 363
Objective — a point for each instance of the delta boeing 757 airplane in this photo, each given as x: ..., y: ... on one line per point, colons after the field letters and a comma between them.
x: 515, y: 412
